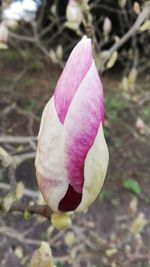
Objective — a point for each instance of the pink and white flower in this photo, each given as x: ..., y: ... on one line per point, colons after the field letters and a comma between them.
x: 72, y: 155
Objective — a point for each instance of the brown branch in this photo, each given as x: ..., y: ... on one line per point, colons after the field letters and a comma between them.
x: 29, y: 39
x: 42, y: 210
x: 134, y: 29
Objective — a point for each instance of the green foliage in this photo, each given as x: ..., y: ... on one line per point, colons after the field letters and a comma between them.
x: 2, y: 176
x: 60, y: 264
x: 37, y: 65
x: 117, y: 142
x: 105, y: 194
x: 115, y: 106
x: 29, y: 82
x: 132, y: 186
x: 32, y: 105
x: 10, y: 54
x: 146, y: 113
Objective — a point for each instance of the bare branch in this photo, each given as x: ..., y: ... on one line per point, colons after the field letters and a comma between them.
x: 29, y: 39
x: 12, y: 233
x: 20, y: 158
x: 42, y: 210
x: 17, y: 139
x: 27, y: 192
x: 15, y: 206
x: 141, y: 18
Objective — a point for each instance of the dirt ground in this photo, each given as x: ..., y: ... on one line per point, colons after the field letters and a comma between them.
x: 115, y: 231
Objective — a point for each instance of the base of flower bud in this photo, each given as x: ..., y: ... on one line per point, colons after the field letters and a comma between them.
x: 61, y: 221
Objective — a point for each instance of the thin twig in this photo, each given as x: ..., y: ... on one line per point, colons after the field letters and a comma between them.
x: 42, y: 210
x: 27, y: 113
x: 21, y: 37
x: 15, y: 206
x: 12, y: 178
x: 20, y: 158
x: 12, y: 233
x: 27, y: 192
x: 133, y: 30
x: 17, y: 139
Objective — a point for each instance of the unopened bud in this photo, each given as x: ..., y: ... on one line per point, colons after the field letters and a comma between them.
x: 140, y: 125
x: 125, y: 84
x: 53, y: 56
x: 42, y: 257
x: 138, y: 224
x: 133, y: 206
x: 122, y: 3
x: 127, y: 249
x: 107, y: 26
x: 3, y: 33
x: 137, y: 242
x: 136, y: 8
x: 132, y: 77
x: 59, y: 52
x: 11, y: 23
x: 74, y: 14
x: 69, y: 239
x: 53, y: 9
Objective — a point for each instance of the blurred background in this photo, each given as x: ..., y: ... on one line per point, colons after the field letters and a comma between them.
x: 36, y: 38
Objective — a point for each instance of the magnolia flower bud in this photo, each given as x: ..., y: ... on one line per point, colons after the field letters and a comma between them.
x: 136, y: 8
x: 53, y: 9
x: 11, y: 23
x: 122, y: 3
x: 137, y: 242
x: 72, y: 155
x: 74, y: 14
x: 107, y: 25
x: 42, y: 257
x: 140, y: 125
x: 3, y: 33
x: 138, y: 223
x: 132, y: 77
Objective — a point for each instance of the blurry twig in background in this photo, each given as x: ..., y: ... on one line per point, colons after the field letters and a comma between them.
x: 8, y: 203
x: 8, y: 161
x: 11, y: 232
x: 17, y: 139
x: 11, y: 162
x: 134, y: 29
x: 49, y: 30
x: 26, y: 192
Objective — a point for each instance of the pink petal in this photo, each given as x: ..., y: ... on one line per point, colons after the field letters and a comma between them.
x: 74, y: 72
x: 81, y: 125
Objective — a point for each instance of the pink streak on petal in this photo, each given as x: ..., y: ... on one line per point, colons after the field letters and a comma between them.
x: 84, y: 116
x: 74, y: 72
x: 45, y: 184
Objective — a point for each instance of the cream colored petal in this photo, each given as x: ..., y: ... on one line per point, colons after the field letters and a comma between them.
x: 95, y: 168
x: 49, y: 159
